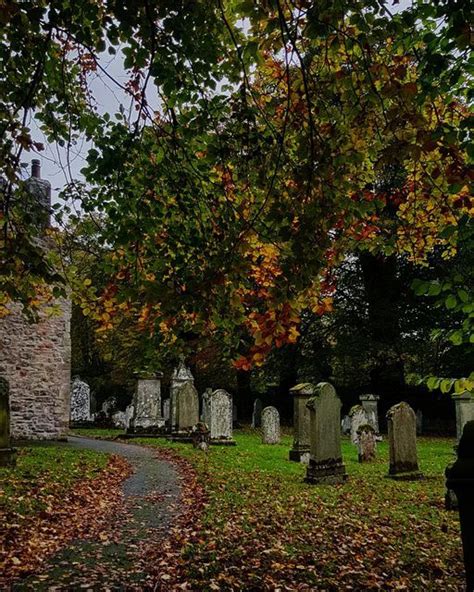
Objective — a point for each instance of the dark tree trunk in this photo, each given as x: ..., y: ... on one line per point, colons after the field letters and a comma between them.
x: 383, y: 293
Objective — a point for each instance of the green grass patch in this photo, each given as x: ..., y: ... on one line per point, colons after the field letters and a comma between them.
x: 41, y: 470
x: 99, y: 433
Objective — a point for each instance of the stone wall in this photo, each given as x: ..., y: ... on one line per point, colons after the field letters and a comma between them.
x: 35, y: 358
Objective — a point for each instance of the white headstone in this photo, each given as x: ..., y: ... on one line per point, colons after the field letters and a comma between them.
x: 358, y: 418
x: 147, y: 404
x: 80, y: 401
x: 181, y: 375
x: 270, y: 426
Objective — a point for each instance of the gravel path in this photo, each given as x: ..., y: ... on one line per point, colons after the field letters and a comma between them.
x: 149, y: 508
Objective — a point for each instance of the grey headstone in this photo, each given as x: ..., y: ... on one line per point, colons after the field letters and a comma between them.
x: 401, y: 421
x: 187, y: 406
x: 220, y: 415
x: 325, y: 461
x: 109, y: 406
x: 166, y: 410
x: 358, y: 418
x: 147, y: 405
x: 370, y: 404
x: 119, y: 419
x: 257, y: 413
x: 346, y: 425
x: 464, y: 406
x: 270, y: 425
x: 301, y: 394
x: 366, y: 443
x: 206, y: 406
x: 181, y: 376
x: 80, y: 401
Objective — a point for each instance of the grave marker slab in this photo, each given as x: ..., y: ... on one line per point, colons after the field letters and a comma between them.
x: 80, y: 401
x: 358, y: 418
x: 464, y: 406
x: 219, y: 412
x: 301, y: 394
x: 370, y: 404
x: 147, y: 416
x: 270, y: 426
x: 401, y: 420
x: 325, y: 461
x: 366, y: 443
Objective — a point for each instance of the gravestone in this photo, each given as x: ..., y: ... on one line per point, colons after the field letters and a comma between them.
x: 301, y: 394
x: 401, y: 420
x: 186, y: 406
x: 119, y: 419
x: 109, y: 406
x: 205, y: 413
x: 257, y: 413
x: 219, y: 413
x: 366, y: 443
x: 346, y: 425
x: 270, y: 425
x: 464, y: 406
x: 129, y: 411
x: 419, y: 422
x: 147, y: 416
x: 325, y: 460
x: 80, y: 401
x: 166, y: 410
x: 370, y: 405
x: 181, y: 375
x: 7, y: 453
x: 358, y: 418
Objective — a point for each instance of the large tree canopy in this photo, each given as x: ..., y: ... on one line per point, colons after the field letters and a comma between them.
x: 285, y: 135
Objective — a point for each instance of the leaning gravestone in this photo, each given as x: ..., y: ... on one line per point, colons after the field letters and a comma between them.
x: 464, y: 406
x: 358, y: 418
x: 219, y: 414
x: 401, y: 420
x: 187, y: 407
x: 270, y: 426
x: 80, y: 401
x: 7, y: 453
x: 181, y: 375
x: 366, y: 443
x: 370, y: 405
x: 257, y: 413
x: 301, y: 394
x: 325, y: 460
x: 147, y: 416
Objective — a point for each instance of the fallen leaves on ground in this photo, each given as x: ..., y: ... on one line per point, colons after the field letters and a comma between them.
x: 55, y: 515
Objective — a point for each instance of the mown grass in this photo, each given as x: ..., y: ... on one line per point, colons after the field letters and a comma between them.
x: 263, y: 527
x: 42, y: 469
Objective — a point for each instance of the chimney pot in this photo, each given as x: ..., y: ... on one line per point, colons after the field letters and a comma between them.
x: 36, y: 168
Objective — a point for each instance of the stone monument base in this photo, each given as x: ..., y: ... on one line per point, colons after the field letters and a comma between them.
x: 7, y: 457
x: 298, y: 454
x: 407, y: 476
x: 326, y: 473
x: 222, y: 442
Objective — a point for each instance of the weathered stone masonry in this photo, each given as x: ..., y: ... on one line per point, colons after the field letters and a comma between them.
x: 35, y: 358
x: 36, y: 361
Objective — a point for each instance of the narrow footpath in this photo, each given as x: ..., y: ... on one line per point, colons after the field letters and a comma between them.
x: 150, y: 504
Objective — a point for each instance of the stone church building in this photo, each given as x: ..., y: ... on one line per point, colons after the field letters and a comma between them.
x: 35, y: 358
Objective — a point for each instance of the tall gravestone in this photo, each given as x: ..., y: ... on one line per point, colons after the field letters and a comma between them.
x: 325, y: 460
x: 464, y: 406
x: 219, y: 416
x: 7, y: 453
x: 80, y: 401
x: 181, y: 376
x: 366, y: 443
x: 370, y: 404
x: 358, y: 418
x: 270, y: 426
x: 257, y: 413
x: 147, y: 416
x: 301, y: 394
x: 186, y: 407
x: 401, y: 420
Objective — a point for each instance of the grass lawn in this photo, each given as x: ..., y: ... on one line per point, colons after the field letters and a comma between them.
x: 262, y: 528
